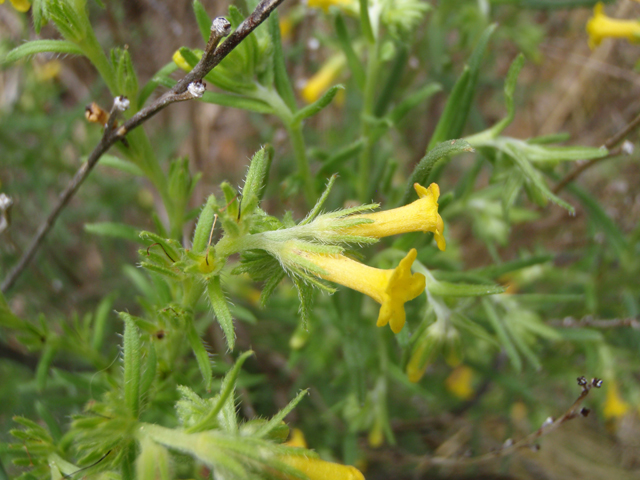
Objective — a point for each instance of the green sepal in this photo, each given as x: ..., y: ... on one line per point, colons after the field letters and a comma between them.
x: 276, y: 421
x: 231, y: 199
x: 221, y: 310
x: 162, y: 271
x: 318, y: 105
x: 317, y: 208
x: 132, y: 365
x: 204, y: 224
x: 126, y: 78
x: 63, y: 47
x: 256, y: 180
x: 171, y: 247
x: 226, y: 394
x: 201, y: 354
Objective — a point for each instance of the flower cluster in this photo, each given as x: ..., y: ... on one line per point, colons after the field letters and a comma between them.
x: 310, y: 249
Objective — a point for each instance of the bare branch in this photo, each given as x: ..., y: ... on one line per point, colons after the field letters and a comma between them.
x: 180, y: 92
x: 570, y: 322
x: 610, y: 145
x: 509, y: 447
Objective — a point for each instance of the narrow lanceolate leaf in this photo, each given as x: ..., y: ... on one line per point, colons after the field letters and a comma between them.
x: 112, y: 229
x: 318, y: 105
x: 502, y: 334
x: 447, y: 289
x: 221, y: 309
x: 201, y: 354
x: 203, y: 20
x: 357, y: 70
x: 131, y: 382
x: 280, y: 75
x: 42, y: 46
x: 509, y: 91
x: 423, y: 169
x: 226, y: 393
x: 278, y: 418
x: 456, y: 111
x: 46, y: 359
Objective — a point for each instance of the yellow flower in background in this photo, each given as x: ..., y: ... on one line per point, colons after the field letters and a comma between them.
x: 47, y: 71
x: 614, y: 405
x: 419, y: 216
x: 179, y: 60
x: 317, y: 469
x: 390, y: 288
x: 297, y: 439
x: 459, y: 382
x: 20, y: 5
x: 326, y: 4
x: 600, y: 27
x: 322, y: 80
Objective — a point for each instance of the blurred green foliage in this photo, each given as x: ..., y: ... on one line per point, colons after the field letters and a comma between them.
x: 158, y: 390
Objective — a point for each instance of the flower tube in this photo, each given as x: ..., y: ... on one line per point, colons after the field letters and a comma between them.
x: 390, y: 288
x: 600, y: 27
x: 419, y: 216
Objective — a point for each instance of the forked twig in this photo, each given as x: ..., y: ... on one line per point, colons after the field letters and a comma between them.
x: 509, y: 447
x: 187, y: 88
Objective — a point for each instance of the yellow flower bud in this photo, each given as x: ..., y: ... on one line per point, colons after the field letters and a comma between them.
x: 317, y: 469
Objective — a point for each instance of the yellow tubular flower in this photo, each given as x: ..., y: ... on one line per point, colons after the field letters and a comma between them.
x: 322, y: 80
x: 317, y: 469
x: 297, y: 439
x: 600, y: 27
x: 459, y: 382
x: 390, y: 288
x: 20, y: 5
x: 419, y: 216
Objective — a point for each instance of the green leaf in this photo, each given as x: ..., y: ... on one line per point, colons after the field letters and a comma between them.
x: 221, y: 310
x: 341, y: 156
x: 280, y: 75
x: 365, y: 22
x: 412, y: 101
x: 394, y: 78
x: 317, y: 208
x: 46, y: 359
x: 237, y: 101
x: 100, y: 321
x: 116, y: 230
x: 357, y: 70
x: 201, y: 354
x: 454, y: 117
x: 112, y: 161
x: 278, y: 418
x: 132, y: 365
x: 447, y: 289
x: 503, y: 336
x: 203, y: 20
x: 509, y: 90
x: 7, y: 318
x: 425, y: 165
x: 600, y: 218
x: 495, y: 271
x: 42, y: 46
x: 318, y: 105
x: 160, y: 78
